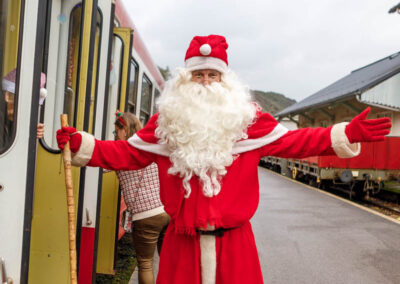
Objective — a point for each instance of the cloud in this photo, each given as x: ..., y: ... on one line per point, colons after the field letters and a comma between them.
x: 292, y: 47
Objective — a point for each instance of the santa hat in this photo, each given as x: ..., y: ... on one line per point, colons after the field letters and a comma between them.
x: 207, y: 52
x: 8, y: 84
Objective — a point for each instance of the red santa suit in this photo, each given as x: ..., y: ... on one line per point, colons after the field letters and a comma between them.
x: 234, y: 254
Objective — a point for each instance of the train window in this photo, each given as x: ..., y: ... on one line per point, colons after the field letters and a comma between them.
x: 117, y: 51
x: 384, y: 114
x: 62, y: 62
x: 145, y: 100
x: 71, y: 90
x: 132, y: 92
x: 97, y: 40
x: 9, y: 33
x: 156, y: 96
x: 71, y: 85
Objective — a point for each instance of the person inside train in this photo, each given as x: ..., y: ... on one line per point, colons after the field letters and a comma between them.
x: 7, y: 118
x: 141, y: 192
x: 207, y: 139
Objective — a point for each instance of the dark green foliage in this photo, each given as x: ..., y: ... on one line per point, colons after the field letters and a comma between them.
x: 166, y: 73
x: 272, y: 102
x: 126, y: 263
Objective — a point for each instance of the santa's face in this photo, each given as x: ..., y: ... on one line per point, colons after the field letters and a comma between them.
x: 200, y: 123
x: 206, y: 76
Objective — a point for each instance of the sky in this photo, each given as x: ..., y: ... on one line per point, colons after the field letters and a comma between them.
x: 295, y: 48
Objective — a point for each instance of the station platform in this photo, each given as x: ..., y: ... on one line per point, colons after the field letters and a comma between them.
x: 305, y: 235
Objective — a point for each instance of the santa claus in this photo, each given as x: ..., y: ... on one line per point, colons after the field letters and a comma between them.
x: 207, y: 140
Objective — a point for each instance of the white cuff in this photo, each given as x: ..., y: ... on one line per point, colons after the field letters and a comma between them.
x: 341, y: 144
x: 205, y: 62
x: 83, y: 156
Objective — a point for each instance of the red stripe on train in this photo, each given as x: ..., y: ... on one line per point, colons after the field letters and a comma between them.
x: 86, y: 255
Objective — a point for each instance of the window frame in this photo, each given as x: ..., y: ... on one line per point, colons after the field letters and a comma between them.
x: 150, y: 83
x: 17, y: 77
x: 131, y: 106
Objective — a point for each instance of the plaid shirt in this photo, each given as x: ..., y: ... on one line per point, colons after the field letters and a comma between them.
x: 141, y: 189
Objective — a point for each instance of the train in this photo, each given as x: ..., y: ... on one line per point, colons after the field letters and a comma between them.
x: 377, y: 168
x: 95, y: 62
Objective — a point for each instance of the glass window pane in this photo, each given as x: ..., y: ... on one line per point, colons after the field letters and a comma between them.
x: 9, y: 33
x: 95, y: 72
x: 156, y: 96
x: 132, y: 87
x: 145, y: 100
x: 115, y: 82
x: 72, y: 64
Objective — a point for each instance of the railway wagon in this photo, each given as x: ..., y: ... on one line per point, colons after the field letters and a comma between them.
x: 377, y: 168
x: 94, y: 62
x: 373, y: 170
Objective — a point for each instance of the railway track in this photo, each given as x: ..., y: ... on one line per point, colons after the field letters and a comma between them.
x: 376, y: 203
x: 388, y: 208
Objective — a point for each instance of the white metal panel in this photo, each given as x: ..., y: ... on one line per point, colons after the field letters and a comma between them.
x: 386, y: 93
x: 51, y: 119
x: 13, y: 164
x: 92, y: 174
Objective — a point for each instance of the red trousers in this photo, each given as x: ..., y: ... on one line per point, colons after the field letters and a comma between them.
x: 236, y: 252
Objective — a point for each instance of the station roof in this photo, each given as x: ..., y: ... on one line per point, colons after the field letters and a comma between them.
x: 357, y: 82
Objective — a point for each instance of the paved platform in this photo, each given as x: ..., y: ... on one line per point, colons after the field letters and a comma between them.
x: 307, y: 236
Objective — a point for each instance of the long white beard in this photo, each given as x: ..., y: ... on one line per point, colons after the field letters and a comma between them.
x: 200, y: 124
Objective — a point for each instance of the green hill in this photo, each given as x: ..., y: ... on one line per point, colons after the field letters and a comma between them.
x: 271, y: 102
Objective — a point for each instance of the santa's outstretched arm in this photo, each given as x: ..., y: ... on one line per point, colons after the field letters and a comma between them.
x: 112, y: 155
x: 340, y: 139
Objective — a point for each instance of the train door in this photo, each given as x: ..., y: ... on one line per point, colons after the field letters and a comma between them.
x: 18, y: 120
x: 75, y: 62
x: 110, y: 197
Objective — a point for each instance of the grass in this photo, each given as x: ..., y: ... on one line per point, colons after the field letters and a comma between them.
x: 126, y: 263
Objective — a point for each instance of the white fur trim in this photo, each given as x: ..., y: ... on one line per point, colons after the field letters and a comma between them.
x: 160, y: 149
x: 203, y: 62
x: 341, y: 144
x: 208, y: 259
x: 8, y: 86
x: 251, y: 144
x: 147, y: 214
x: 205, y: 49
x: 83, y: 156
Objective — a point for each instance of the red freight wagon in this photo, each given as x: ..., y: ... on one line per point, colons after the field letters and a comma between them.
x: 377, y: 167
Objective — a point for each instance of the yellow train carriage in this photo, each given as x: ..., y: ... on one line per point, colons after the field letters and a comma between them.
x: 85, y: 50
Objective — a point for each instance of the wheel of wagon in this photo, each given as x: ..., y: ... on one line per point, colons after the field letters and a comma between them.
x: 358, y: 189
x: 312, y: 182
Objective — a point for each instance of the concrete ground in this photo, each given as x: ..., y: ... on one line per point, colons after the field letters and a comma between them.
x: 307, y: 236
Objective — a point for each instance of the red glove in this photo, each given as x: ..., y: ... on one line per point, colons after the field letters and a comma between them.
x: 361, y: 129
x: 66, y: 134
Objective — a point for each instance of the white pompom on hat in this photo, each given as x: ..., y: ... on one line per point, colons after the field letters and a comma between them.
x: 207, y: 52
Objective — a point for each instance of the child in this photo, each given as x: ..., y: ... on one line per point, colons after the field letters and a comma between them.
x: 141, y: 191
